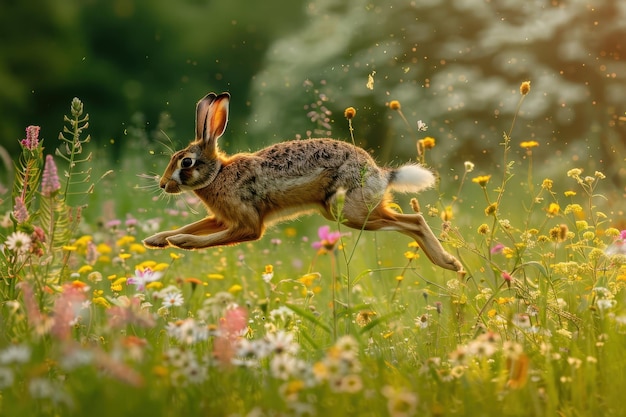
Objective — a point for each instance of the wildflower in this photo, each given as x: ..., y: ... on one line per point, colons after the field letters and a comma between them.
x: 283, y: 366
x: 421, y: 126
x: 143, y: 276
x: 282, y: 342
x: 400, y: 401
x: 483, y: 229
x: 563, y: 232
x: 491, y: 209
x: 599, y: 175
x: 574, y: 173
x: 173, y: 299
x: 422, y: 321
x: 529, y: 144
x: 15, y: 354
x: 469, y: 166
x: 32, y: 138
x: 573, y: 208
x: 49, y: 179
x: 569, y: 193
x: 524, y: 88
x: 481, y: 180
x: 507, y: 277
x: 364, y: 317
x: 268, y: 274
x: 547, y: 184
x: 18, y: 242
x: 19, y: 210
x: 553, y: 209
x: 497, y: 248
x: 349, y: 113
x: 328, y: 239
x: 394, y: 105
x: 428, y: 142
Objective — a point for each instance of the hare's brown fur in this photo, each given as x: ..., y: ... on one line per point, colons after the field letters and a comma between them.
x: 248, y: 191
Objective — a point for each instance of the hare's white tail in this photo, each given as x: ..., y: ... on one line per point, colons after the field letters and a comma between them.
x: 411, y: 179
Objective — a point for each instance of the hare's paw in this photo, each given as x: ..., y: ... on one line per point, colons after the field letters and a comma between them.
x: 452, y: 263
x: 185, y: 241
x: 157, y: 241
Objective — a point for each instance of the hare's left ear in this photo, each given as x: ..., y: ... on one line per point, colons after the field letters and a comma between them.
x: 215, y: 120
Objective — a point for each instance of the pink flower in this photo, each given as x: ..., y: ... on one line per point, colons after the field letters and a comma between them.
x: 328, y: 239
x: 50, y: 179
x: 497, y: 248
x: 142, y: 277
x: 20, y: 211
x: 32, y: 138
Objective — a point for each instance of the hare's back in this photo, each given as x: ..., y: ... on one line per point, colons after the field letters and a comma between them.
x: 300, y: 156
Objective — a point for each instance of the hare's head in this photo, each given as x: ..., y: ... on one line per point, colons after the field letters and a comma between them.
x: 197, y: 165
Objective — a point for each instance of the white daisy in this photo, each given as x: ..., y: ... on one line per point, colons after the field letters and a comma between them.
x: 18, y: 242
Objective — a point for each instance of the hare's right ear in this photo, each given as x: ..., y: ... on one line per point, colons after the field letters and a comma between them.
x: 211, y: 119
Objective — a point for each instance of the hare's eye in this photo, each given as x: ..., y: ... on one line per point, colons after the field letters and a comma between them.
x: 186, y: 163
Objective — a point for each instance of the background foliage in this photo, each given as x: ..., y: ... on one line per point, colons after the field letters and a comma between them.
x: 131, y: 61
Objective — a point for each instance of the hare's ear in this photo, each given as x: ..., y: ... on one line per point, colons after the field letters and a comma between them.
x: 202, y: 108
x: 215, y: 122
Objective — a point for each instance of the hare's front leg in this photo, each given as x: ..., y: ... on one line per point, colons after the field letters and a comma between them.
x: 225, y: 237
x: 201, y: 227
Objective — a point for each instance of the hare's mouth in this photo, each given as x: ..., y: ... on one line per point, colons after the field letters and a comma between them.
x: 171, y: 187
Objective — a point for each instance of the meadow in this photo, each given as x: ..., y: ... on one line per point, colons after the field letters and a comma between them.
x: 315, y: 319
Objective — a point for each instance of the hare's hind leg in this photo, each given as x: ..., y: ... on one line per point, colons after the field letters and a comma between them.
x: 202, y: 227
x: 413, y: 225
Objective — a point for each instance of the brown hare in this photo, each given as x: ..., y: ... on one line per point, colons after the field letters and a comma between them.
x: 247, y: 191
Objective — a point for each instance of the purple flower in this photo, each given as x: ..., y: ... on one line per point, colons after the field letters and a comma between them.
x: 328, y: 239
x: 622, y: 234
x: 50, y: 179
x: 32, y: 138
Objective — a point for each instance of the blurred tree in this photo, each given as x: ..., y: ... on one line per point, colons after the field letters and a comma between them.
x: 123, y: 57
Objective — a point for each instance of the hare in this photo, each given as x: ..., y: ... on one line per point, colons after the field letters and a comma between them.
x: 246, y: 192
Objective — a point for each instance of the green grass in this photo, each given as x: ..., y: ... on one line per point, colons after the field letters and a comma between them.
x: 536, y: 326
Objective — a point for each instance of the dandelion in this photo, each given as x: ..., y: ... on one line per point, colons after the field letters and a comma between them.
x: 49, y: 179
x: 349, y: 113
x: 524, y: 88
x: 144, y: 276
x: 328, y: 239
x: 18, y: 242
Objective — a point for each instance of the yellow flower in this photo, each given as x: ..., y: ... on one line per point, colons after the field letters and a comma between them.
x: 553, y: 209
x: 481, y: 180
x: 235, y: 288
x: 125, y: 255
x: 215, y: 276
x: 174, y: 256
x: 529, y: 144
x: 349, y: 113
x: 125, y: 240
x: 103, y: 249
x: 85, y: 269
x: 547, y: 184
x: 428, y: 142
x: 101, y: 301
x: 491, y: 209
x: 394, y: 105
x: 269, y: 269
x: 154, y: 285
x: 411, y: 255
x: 569, y: 193
x: 70, y: 248
x: 483, y: 229
x: 137, y: 248
x: 524, y: 88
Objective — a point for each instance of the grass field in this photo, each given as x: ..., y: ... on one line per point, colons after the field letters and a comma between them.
x: 359, y: 324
